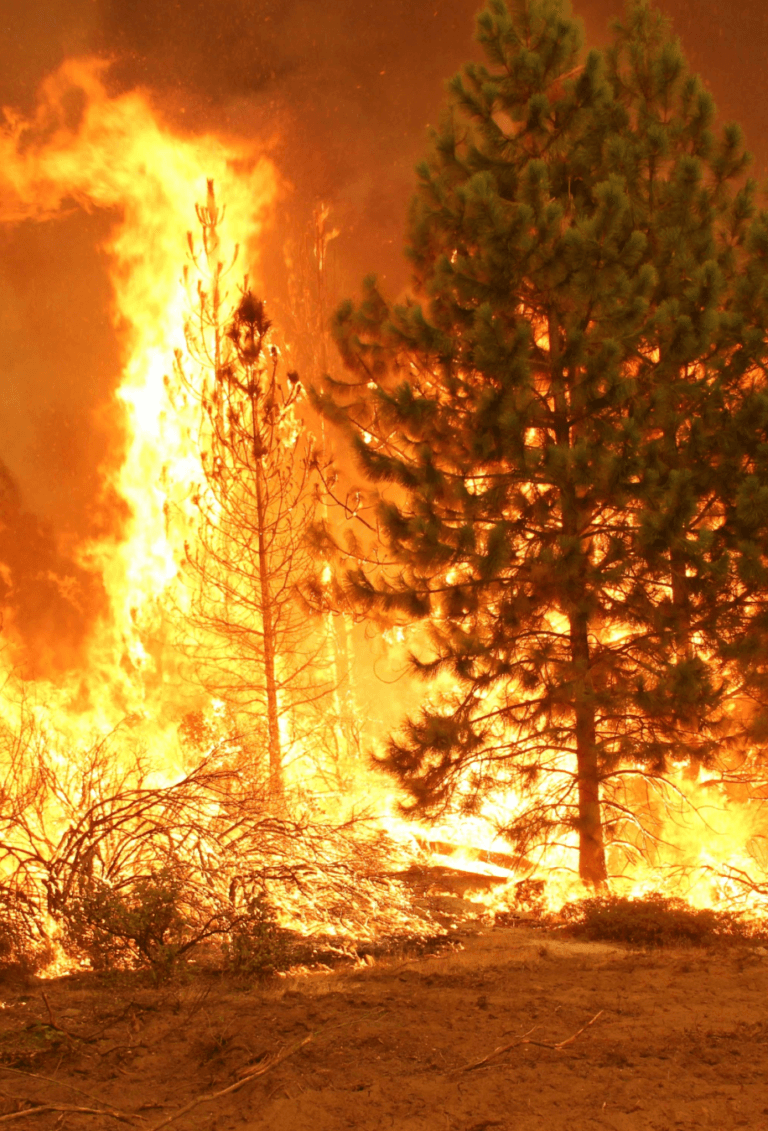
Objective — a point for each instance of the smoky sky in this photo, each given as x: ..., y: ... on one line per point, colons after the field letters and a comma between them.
x: 349, y: 85
x: 345, y: 91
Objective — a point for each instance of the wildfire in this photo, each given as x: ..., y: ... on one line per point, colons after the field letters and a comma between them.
x: 120, y: 156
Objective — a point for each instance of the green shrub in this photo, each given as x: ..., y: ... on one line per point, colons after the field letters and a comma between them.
x: 148, y: 923
x: 156, y: 921
x: 255, y: 944
x: 654, y: 920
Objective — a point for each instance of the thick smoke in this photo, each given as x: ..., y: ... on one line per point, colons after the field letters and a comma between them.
x: 342, y: 91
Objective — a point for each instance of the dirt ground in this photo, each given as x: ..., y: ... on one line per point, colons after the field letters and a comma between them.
x: 681, y: 1041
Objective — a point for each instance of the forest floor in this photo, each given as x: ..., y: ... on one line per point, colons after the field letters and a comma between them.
x: 678, y: 1039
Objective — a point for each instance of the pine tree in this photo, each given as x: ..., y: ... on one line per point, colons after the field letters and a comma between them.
x: 574, y: 236
x: 254, y: 644
x: 701, y: 527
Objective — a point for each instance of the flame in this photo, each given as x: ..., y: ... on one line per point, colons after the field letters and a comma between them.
x: 121, y: 156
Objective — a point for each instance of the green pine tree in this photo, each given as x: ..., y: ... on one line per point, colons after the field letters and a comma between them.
x: 574, y: 237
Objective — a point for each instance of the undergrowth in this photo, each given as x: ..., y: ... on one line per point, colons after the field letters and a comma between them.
x: 657, y: 920
x: 113, y: 871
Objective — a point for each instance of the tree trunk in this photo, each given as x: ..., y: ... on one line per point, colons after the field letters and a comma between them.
x: 680, y: 603
x: 678, y: 578
x: 276, y: 783
x: 680, y: 597
x: 592, y: 866
x: 344, y: 701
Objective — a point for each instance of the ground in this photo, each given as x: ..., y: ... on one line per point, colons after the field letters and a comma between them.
x: 680, y: 1041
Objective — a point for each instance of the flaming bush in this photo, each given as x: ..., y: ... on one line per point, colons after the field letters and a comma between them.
x: 114, y: 866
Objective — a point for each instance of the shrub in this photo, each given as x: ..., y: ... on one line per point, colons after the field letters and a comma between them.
x: 136, y: 874
x: 152, y: 922
x: 156, y: 921
x: 255, y: 944
x: 24, y: 947
x: 654, y: 920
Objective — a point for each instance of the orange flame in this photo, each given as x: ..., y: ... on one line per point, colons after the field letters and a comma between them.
x: 120, y: 155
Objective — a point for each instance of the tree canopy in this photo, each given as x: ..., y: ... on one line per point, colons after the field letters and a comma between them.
x: 556, y: 422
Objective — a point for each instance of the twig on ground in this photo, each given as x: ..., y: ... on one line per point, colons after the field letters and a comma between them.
x: 250, y: 1073
x: 260, y: 1071
x: 569, y: 1041
x: 28, y: 1111
x: 558, y: 1046
x: 411, y: 961
x: 60, y: 1028
x: 52, y: 1080
x: 67, y: 1108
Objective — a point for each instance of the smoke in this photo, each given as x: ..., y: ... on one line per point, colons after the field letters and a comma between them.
x: 49, y: 600
x: 342, y: 92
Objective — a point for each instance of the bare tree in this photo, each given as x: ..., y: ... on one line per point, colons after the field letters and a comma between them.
x: 306, y: 315
x: 256, y: 643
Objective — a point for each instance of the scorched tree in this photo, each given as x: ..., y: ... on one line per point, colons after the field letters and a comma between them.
x: 250, y: 635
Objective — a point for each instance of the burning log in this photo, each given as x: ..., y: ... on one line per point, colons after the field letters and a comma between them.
x: 424, y: 878
x: 481, y: 855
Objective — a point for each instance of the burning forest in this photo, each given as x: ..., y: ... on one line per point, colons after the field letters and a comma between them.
x: 347, y: 629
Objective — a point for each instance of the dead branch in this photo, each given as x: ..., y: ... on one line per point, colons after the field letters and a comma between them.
x: 261, y: 1070
x: 557, y: 1046
x: 68, y: 1108
x: 51, y: 1080
x: 267, y: 1066
x: 60, y: 1028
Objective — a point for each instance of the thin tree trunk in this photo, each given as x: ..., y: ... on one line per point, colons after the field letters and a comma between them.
x: 276, y: 783
x: 680, y: 597
x: 678, y: 578
x: 344, y: 696
x: 681, y: 605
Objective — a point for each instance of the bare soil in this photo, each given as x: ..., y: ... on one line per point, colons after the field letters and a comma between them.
x: 681, y: 1041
